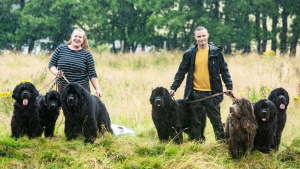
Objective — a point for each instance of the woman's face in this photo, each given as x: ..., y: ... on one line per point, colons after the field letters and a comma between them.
x: 77, y: 39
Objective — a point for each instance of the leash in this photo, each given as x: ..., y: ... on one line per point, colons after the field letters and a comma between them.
x: 48, y: 84
x: 205, y: 98
x: 55, y: 82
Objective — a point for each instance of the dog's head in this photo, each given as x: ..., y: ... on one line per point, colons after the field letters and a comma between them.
x: 160, y: 97
x: 265, y: 110
x: 73, y: 95
x: 280, y: 98
x: 25, y: 93
x: 52, y: 99
x: 241, y: 107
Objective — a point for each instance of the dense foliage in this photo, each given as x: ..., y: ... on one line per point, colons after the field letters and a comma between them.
x: 161, y: 23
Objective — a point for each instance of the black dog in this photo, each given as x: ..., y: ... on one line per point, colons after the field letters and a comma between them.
x: 25, y: 119
x: 280, y: 98
x: 84, y: 113
x: 49, y: 111
x: 171, y: 117
x: 266, y: 117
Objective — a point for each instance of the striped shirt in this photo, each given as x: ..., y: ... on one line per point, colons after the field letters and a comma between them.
x: 77, y: 65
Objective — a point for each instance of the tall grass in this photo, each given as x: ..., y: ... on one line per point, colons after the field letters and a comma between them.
x: 126, y: 81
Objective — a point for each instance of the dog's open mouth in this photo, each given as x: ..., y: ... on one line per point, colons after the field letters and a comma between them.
x: 264, y: 119
x: 282, y: 106
x: 25, y: 102
x: 158, y: 105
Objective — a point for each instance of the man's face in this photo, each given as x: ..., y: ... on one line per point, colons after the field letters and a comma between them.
x: 201, y: 37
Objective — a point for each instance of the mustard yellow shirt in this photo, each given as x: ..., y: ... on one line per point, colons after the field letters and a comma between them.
x: 201, y: 74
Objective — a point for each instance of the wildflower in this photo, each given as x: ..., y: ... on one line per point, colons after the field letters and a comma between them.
x: 269, y: 89
x: 23, y: 81
x: 8, y: 94
x: 296, y: 99
x: 275, y: 57
x: 2, y: 95
x: 261, y: 56
x: 171, y: 56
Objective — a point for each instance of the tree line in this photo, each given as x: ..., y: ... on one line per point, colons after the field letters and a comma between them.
x: 232, y: 24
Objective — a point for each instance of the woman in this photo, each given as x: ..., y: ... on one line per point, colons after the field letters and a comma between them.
x: 75, y: 61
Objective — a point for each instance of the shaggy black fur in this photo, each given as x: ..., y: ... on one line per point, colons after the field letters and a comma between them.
x: 266, y: 117
x: 84, y: 113
x: 171, y: 117
x: 25, y: 119
x: 49, y: 111
x: 240, y: 127
x: 280, y: 98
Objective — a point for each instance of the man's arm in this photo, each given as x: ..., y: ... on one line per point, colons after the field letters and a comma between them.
x: 180, y: 75
x: 225, y: 73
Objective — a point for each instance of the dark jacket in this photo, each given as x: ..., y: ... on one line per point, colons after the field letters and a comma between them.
x: 216, y: 66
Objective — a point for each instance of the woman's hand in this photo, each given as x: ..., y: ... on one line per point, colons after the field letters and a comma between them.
x: 98, y: 93
x: 60, y: 73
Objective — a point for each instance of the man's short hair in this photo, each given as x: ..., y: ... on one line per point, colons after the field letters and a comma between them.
x: 199, y: 28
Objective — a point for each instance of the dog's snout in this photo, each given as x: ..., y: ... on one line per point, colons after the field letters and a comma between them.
x: 158, y: 101
x: 231, y: 108
x: 264, y: 111
x: 25, y: 93
x: 53, y: 105
x: 281, y: 98
x: 71, y: 98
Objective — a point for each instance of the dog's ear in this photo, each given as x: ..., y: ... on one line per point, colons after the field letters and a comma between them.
x: 46, y: 97
x: 272, y: 108
x: 167, y: 96
x: 57, y: 96
x: 32, y: 89
x: 64, y: 93
x: 271, y: 95
x: 286, y: 95
x: 247, y: 105
x: 16, y: 92
x: 152, y: 96
x: 81, y: 94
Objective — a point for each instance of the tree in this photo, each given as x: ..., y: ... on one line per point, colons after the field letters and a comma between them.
x: 53, y: 19
x: 294, y: 8
x: 8, y: 24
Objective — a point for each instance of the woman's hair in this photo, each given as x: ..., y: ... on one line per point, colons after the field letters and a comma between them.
x: 85, y: 44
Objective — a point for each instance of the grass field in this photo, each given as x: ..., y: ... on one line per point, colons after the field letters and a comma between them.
x: 126, y: 81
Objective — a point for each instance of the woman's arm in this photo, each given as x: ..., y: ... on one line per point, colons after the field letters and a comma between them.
x: 94, y: 81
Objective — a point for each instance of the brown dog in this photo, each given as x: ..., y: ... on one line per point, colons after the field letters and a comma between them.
x: 240, y: 127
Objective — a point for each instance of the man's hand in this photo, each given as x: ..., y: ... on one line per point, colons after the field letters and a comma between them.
x: 229, y: 93
x: 172, y: 92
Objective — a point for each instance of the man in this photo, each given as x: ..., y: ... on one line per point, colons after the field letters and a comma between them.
x: 204, y: 63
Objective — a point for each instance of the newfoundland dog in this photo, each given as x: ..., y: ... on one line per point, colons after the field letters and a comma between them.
x: 171, y: 117
x: 84, y: 113
x: 266, y: 117
x: 280, y: 98
x: 240, y: 127
x: 25, y: 119
x: 49, y: 111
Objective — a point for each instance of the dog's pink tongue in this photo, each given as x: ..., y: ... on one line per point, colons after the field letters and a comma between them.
x: 264, y: 119
x: 25, y: 102
x: 282, y: 106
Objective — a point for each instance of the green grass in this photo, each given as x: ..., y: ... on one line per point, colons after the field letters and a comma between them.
x: 126, y: 82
